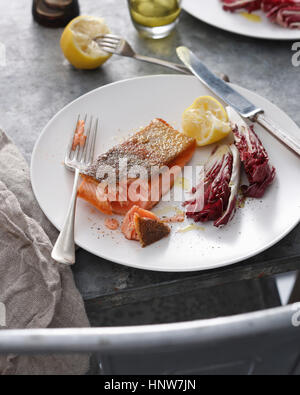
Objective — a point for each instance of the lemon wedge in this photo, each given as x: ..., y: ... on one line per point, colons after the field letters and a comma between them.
x: 77, y: 42
x: 206, y: 120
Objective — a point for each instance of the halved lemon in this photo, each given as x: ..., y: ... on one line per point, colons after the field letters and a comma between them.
x: 206, y: 120
x: 77, y: 42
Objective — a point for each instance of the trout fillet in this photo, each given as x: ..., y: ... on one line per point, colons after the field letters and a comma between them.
x: 157, y: 146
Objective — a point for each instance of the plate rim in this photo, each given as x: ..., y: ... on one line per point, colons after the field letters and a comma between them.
x: 259, y: 37
x: 225, y: 263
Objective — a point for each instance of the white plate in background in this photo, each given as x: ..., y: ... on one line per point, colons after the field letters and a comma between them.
x: 212, y: 13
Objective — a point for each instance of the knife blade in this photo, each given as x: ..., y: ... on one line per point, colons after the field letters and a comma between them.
x: 218, y: 86
x: 234, y: 99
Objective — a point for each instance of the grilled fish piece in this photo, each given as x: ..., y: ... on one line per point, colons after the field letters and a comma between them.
x: 150, y: 231
x: 158, y: 146
x: 143, y: 226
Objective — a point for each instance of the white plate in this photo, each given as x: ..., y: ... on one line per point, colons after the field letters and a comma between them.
x: 212, y: 13
x: 125, y: 106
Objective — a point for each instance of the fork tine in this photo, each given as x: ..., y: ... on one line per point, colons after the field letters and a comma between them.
x: 106, y: 40
x: 106, y: 37
x: 112, y: 36
x: 79, y: 150
x: 105, y: 44
x: 92, y: 147
x: 84, y: 155
x: 108, y: 49
x: 109, y: 45
x: 69, y: 149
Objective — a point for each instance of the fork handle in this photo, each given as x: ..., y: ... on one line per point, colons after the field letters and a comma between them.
x: 64, y: 249
x: 173, y: 66
x: 165, y: 63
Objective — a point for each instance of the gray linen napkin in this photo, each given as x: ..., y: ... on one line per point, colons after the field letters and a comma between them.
x: 36, y: 291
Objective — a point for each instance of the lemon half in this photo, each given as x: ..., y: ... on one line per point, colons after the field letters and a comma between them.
x: 77, y: 42
x: 206, y: 120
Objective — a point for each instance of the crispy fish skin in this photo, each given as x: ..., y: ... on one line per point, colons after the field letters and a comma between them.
x: 157, y: 145
x: 150, y: 231
x: 128, y: 227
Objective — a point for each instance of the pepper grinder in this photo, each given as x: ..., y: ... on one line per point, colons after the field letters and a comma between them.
x: 54, y: 13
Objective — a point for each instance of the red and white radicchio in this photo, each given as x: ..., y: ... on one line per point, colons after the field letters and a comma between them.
x: 249, y: 5
x: 283, y: 12
x: 253, y: 155
x: 221, y: 184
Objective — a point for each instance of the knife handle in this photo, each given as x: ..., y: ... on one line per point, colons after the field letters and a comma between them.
x: 280, y: 134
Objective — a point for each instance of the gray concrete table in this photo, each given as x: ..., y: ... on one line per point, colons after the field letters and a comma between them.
x: 36, y: 82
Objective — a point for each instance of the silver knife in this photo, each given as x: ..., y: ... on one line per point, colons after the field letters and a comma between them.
x: 234, y: 99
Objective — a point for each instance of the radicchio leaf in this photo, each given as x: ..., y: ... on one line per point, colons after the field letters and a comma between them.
x: 283, y: 12
x: 221, y: 185
x: 249, y: 5
x: 234, y: 188
x: 253, y: 156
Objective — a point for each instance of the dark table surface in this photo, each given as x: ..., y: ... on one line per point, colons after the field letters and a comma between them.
x: 37, y: 81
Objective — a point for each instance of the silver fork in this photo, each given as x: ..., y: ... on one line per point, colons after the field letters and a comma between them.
x: 76, y: 161
x: 119, y: 46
